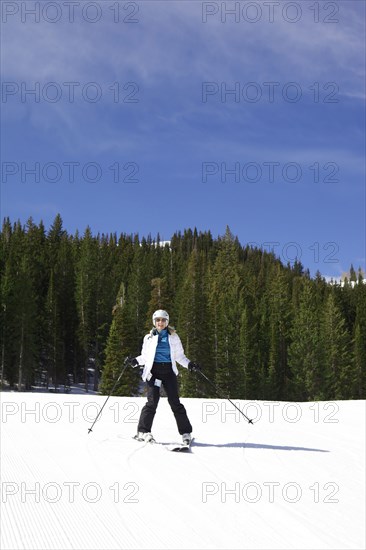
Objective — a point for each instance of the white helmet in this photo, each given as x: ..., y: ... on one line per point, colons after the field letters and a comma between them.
x: 160, y: 314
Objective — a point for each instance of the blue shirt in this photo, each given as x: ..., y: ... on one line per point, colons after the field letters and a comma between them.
x: 162, y: 354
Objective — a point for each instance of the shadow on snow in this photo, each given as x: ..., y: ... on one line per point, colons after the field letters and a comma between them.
x: 260, y: 446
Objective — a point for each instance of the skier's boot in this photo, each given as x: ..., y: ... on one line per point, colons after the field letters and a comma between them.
x: 145, y: 436
x: 187, y: 438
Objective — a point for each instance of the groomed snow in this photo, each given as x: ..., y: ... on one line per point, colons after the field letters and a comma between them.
x: 295, y: 479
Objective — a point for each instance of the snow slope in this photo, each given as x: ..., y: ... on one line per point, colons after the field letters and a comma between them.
x: 294, y: 479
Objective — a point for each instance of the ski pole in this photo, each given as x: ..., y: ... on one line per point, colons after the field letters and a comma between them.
x: 218, y: 393
x: 126, y: 363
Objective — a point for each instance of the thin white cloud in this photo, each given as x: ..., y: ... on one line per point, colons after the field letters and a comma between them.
x: 171, y: 39
x: 170, y: 51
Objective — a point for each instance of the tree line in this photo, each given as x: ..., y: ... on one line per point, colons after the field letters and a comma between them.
x: 74, y: 306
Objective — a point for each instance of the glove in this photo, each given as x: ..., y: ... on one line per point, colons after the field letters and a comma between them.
x: 193, y: 367
x: 131, y: 362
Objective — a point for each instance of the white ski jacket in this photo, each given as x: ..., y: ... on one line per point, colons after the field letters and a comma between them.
x: 149, y: 348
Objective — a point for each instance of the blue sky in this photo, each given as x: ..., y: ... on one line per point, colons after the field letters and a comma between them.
x: 253, y: 119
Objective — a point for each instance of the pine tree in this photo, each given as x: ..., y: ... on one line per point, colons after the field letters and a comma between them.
x: 54, y: 348
x: 54, y: 360
x: 352, y: 274
x: 358, y: 374
x: 193, y: 323
x: 5, y: 291
x: 158, y: 299
x: 256, y: 294
x: 68, y: 310
x: 8, y: 333
x: 36, y: 244
x: 279, y: 317
x: 305, y: 358
x: 86, y: 285
x: 225, y: 300
x: 121, y: 342
x: 248, y: 355
x: 106, y: 292
x: 167, y: 275
x: 20, y: 305
x: 336, y: 352
x: 138, y: 290
x: 359, y: 353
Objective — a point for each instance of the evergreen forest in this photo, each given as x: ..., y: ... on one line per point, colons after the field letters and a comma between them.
x: 74, y: 306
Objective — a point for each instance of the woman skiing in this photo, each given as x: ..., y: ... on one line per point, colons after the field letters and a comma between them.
x: 161, y: 349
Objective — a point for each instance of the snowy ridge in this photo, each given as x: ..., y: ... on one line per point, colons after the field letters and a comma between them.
x: 294, y: 479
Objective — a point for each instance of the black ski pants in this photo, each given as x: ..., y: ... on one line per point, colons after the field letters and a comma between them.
x: 165, y: 373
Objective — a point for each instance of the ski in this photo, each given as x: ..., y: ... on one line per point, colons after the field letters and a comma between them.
x: 180, y: 447
x: 173, y: 447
